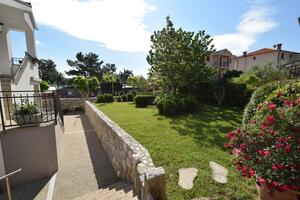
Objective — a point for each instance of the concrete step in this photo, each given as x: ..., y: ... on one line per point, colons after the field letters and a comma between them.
x: 117, y: 191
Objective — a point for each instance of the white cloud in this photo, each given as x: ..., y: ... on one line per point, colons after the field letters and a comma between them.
x: 37, y: 42
x: 255, y: 21
x: 116, y: 24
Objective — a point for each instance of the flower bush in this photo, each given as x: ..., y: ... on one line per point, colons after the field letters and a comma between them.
x: 267, y: 147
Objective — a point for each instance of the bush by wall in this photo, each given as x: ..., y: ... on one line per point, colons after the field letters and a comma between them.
x: 130, y: 97
x: 124, y: 97
x: 118, y: 99
x: 142, y: 101
x: 105, y: 98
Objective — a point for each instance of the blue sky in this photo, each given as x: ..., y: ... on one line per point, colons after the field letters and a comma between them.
x: 119, y: 30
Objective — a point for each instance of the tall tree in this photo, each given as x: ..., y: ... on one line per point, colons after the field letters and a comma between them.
x: 49, y: 73
x: 109, y: 68
x: 178, y: 56
x: 123, y: 75
x: 86, y: 65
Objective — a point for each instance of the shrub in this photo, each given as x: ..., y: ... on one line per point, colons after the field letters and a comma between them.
x: 105, y: 98
x: 130, y: 97
x: 44, y: 86
x: 118, y: 98
x: 108, y: 98
x: 142, y: 101
x: 285, y: 88
x: 124, y: 97
x: 267, y: 147
x: 176, y: 105
x: 26, y: 108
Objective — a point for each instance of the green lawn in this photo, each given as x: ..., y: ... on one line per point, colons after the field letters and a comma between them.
x: 187, y: 141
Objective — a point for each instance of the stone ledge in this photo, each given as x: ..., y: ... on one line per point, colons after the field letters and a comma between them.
x: 130, y: 160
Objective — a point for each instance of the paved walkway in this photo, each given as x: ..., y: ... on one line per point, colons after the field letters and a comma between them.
x: 83, y: 164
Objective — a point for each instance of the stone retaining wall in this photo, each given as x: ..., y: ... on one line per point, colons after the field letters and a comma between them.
x: 130, y: 160
x: 73, y: 104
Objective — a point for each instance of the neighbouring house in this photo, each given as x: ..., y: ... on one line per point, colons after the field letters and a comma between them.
x: 277, y: 56
x: 221, y: 59
x: 29, y: 132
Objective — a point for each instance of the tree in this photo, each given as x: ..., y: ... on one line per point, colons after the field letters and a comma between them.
x: 85, y: 85
x: 123, y: 76
x: 49, y: 73
x: 109, y: 68
x: 139, y: 82
x: 179, y: 56
x: 260, y: 75
x: 86, y: 65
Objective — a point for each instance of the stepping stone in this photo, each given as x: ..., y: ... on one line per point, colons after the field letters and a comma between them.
x: 219, y: 173
x: 186, y: 177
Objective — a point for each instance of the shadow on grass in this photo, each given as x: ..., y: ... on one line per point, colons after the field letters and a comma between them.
x: 209, y: 126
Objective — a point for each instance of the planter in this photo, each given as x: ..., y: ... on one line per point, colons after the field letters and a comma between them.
x: 28, y: 119
x: 263, y: 193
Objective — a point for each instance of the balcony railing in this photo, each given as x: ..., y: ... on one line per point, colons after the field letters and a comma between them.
x: 16, y: 61
x: 23, y: 108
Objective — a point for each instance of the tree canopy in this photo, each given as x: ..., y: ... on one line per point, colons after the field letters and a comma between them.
x: 178, y: 56
x: 49, y: 73
x: 123, y: 75
x: 86, y: 85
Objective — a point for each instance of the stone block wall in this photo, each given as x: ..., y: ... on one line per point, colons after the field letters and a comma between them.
x: 130, y: 160
x: 73, y: 104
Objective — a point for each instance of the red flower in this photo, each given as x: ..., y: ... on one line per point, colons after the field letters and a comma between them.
x: 283, y: 188
x: 245, y: 169
x: 281, y: 139
x: 277, y: 167
x: 251, y: 172
x: 228, y: 145
x: 288, y: 103
x: 272, y: 132
x: 230, y: 135
x: 261, y: 180
x: 298, y: 140
x: 267, y: 153
x: 243, y: 146
x: 275, y: 184
x: 260, y: 152
x: 288, y: 148
x: 271, y: 119
x: 272, y: 106
x: 297, y: 101
x: 279, y: 146
x: 263, y: 126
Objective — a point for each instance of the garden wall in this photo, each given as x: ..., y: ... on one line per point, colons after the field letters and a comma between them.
x: 130, y: 160
x: 73, y: 104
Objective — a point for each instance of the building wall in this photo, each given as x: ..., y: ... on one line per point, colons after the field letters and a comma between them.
x: 247, y: 62
x: 34, y: 149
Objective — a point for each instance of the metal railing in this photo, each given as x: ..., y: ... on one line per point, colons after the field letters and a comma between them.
x: 21, y: 108
x: 6, y: 178
x: 16, y: 61
x: 293, y: 68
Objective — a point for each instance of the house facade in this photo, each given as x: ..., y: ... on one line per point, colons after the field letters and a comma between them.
x: 221, y: 59
x: 275, y: 56
x: 17, y: 73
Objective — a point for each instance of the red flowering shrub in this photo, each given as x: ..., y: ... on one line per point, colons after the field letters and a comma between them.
x: 268, y: 146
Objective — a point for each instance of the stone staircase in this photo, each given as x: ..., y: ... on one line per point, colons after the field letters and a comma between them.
x: 116, y: 191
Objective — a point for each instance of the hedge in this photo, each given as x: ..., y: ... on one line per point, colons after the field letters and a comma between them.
x: 142, y: 101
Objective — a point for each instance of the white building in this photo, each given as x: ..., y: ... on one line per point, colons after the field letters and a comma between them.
x: 17, y: 73
x: 276, y: 56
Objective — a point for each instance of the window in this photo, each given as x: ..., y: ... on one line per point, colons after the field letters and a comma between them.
x: 207, y: 59
x: 254, y: 58
x: 282, y: 56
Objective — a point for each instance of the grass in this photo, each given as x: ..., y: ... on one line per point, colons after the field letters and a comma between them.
x: 186, y: 141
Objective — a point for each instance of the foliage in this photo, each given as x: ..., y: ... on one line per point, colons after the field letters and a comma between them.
x: 267, y: 147
x: 26, y: 108
x: 260, y: 75
x: 123, y: 75
x: 138, y: 82
x: 118, y: 99
x: 44, y: 86
x: 178, y: 56
x: 49, y: 73
x: 183, y: 141
x: 124, y: 97
x: 229, y: 74
x: 289, y: 88
x: 104, y: 98
x: 130, y: 97
x: 85, y: 85
x: 142, y: 101
x: 109, y: 78
x: 172, y: 105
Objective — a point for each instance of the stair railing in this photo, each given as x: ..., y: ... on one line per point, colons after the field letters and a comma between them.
x: 6, y: 178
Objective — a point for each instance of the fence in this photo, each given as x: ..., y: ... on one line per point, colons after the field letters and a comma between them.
x: 20, y: 108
